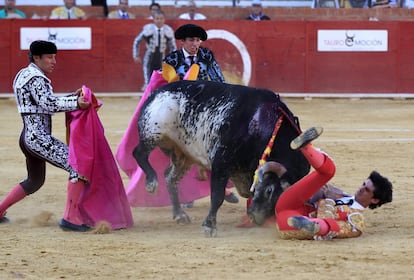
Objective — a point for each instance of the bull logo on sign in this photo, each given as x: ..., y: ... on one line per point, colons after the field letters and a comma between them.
x: 349, y: 40
x: 52, y: 35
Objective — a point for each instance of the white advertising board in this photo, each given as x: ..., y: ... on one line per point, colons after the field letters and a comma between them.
x: 65, y: 38
x: 353, y: 40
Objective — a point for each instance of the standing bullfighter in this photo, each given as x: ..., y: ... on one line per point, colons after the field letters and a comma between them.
x: 159, y: 40
x: 191, y: 37
x: 37, y: 103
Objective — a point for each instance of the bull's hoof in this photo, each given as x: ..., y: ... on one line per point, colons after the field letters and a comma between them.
x: 182, y: 218
x: 210, y: 228
x: 188, y: 204
x: 210, y: 232
x: 152, y: 187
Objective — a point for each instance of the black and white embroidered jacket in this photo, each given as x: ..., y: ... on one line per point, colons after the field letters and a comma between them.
x: 34, y: 93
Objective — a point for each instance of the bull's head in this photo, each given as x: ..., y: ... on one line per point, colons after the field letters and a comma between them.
x: 267, y: 191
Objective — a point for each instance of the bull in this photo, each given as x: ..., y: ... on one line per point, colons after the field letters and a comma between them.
x: 224, y: 128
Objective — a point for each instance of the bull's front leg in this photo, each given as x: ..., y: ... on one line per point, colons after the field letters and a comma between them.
x: 172, y: 178
x: 217, y: 186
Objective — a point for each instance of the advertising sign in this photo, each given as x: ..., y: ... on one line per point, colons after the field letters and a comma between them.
x: 65, y: 38
x: 353, y: 40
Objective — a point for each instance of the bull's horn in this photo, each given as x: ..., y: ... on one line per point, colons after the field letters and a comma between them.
x: 271, y: 166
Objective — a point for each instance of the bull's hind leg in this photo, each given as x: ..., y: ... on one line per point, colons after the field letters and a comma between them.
x: 141, y: 154
x: 173, y: 174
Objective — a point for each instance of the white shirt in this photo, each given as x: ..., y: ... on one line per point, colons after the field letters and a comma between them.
x: 197, y: 16
x: 187, y: 57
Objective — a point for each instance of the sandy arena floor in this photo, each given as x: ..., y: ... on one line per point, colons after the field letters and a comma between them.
x: 361, y: 135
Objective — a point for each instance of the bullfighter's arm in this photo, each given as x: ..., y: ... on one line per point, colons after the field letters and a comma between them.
x: 136, y: 45
x: 172, y: 47
x: 328, y: 191
x: 215, y: 73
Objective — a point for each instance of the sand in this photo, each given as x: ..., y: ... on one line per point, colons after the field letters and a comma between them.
x: 360, y: 135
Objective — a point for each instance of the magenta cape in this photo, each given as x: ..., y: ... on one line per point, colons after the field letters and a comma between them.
x: 190, y: 188
x: 104, y: 199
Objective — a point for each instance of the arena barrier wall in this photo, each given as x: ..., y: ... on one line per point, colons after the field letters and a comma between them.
x: 278, y: 55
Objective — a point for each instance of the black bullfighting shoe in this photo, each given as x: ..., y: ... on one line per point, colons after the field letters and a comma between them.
x: 68, y: 226
x: 306, y: 137
x: 4, y: 219
x: 304, y: 224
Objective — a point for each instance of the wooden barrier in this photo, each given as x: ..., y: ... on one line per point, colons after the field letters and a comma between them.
x: 282, y: 56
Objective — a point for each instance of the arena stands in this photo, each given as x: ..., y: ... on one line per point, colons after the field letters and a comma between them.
x: 227, y: 12
x: 176, y: 3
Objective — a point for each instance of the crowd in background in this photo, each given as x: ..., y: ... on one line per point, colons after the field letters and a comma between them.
x: 69, y: 9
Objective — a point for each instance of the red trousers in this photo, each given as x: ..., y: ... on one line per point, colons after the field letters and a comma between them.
x: 292, y: 201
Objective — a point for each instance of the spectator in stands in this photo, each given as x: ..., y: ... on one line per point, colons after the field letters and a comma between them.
x: 68, y: 11
x: 407, y: 4
x: 385, y: 4
x: 122, y: 12
x: 158, y: 37
x: 257, y: 13
x: 10, y: 10
x: 360, y: 3
x: 191, y: 12
x: 153, y: 8
x: 326, y: 4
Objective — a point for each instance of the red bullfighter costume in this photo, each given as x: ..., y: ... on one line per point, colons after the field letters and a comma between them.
x: 335, y: 220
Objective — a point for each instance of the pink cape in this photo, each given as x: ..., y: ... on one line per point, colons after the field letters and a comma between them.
x: 104, y: 199
x: 190, y: 188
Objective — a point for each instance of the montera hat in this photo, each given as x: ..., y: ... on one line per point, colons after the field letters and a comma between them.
x: 190, y: 30
x: 40, y: 47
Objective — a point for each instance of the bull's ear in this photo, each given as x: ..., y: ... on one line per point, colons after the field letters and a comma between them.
x: 192, y: 73
x: 168, y: 73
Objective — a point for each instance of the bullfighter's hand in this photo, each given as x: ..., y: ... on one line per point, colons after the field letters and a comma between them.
x: 79, y: 92
x: 82, y: 103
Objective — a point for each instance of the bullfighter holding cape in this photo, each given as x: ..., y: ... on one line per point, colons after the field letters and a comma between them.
x: 92, y: 195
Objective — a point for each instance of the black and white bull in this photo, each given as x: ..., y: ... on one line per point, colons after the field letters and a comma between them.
x: 224, y: 128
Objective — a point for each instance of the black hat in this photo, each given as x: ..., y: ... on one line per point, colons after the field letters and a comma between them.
x: 190, y: 30
x: 40, y: 47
